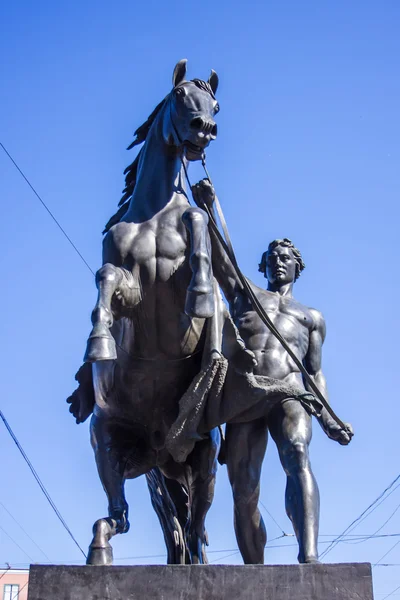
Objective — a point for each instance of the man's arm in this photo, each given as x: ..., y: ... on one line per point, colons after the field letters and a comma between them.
x: 312, y: 363
x: 204, y: 194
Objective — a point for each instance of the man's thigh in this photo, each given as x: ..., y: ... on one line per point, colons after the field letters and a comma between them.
x: 290, y: 424
x: 245, y: 450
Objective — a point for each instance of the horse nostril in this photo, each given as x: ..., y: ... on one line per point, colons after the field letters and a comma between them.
x: 197, y: 123
x: 214, y: 130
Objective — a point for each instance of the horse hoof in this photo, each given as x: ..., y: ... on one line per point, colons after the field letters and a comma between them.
x: 100, y: 557
x: 199, y: 304
x: 100, y: 347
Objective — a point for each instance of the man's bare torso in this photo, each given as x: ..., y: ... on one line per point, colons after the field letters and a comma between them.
x: 293, y: 320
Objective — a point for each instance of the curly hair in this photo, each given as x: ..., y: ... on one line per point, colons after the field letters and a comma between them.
x: 300, y: 265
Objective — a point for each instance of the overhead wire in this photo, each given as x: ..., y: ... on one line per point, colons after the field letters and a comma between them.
x: 224, y: 557
x: 5, y: 570
x: 16, y: 543
x: 384, y: 524
x: 274, y: 520
x: 233, y: 550
x: 90, y: 269
x: 333, y: 543
x: 26, y: 533
x: 386, y: 553
x: 40, y: 483
x: 357, y: 521
x: 56, y: 221
x: 391, y: 593
x: 19, y: 591
x: 46, y: 207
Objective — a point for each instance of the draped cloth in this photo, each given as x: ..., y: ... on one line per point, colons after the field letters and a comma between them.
x: 219, y: 394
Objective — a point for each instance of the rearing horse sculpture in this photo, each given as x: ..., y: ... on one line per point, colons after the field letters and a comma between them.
x: 155, y: 293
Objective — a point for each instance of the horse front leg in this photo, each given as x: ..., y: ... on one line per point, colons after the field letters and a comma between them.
x: 110, y: 466
x: 200, y: 293
x: 101, y: 344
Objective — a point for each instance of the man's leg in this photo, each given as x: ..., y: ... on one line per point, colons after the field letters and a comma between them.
x: 245, y: 449
x: 290, y: 427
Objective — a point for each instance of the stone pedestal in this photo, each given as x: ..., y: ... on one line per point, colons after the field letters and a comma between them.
x: 350, y: 581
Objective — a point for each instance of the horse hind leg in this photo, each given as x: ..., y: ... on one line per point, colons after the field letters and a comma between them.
x: 101, y: 344
x: 204, y: 469
x: 200, y: 293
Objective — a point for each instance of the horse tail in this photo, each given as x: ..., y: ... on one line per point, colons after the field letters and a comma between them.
x: 169, y: 501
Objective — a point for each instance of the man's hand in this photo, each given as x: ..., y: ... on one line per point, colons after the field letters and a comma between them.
x: 337, y: 433
x: 204, y: 193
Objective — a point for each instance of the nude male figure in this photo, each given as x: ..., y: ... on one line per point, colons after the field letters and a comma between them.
x: 289, y: 423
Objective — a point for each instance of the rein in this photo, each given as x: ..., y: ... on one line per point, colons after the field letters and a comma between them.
x: 227, y: 246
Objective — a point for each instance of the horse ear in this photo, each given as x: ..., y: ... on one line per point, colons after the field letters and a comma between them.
x: 213, y: 81
x: 179, y: 72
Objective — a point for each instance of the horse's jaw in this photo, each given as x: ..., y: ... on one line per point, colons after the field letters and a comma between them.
x: 192, y: 152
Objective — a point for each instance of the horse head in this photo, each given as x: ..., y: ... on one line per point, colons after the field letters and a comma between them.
x: 190, y: 111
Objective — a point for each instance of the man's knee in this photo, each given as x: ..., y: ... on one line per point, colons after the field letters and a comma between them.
x: 245, y: 490
x: 295, y: 457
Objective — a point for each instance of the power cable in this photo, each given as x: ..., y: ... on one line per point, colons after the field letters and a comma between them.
x: 5, y: 570
x: 382, y: 526
x: 19, y: 591
x: 38, y: 480
x: 46, y: 207
x: 386, y: 553
x: 333, y: 543
x: 358, y: 519
x: 375, y: 507
x: 391, y: 593
x: 26, y: 533
x: 56, y: 221
x: 274, y: 520
x: 12, y: 539
x: 233, y: 550
x: 223, y: 557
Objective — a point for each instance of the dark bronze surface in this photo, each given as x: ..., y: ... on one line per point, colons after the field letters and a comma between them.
x: 289, y: 423
x: 155, y: 292
x: 166, y: 365
x: 204, y: 582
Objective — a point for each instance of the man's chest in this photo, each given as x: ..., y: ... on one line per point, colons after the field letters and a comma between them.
x: 288, y: 315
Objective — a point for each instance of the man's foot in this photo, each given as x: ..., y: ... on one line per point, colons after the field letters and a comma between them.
x: 312, y: 561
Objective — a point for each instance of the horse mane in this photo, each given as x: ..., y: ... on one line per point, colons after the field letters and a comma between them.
x: 131, y: 170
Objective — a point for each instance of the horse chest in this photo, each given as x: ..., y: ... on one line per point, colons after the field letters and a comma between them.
x: 158, y: 253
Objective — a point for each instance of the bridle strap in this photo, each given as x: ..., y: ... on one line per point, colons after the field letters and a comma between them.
x: 227, y: 246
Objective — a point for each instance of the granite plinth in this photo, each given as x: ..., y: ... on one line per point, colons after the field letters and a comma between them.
x: 348, y: 581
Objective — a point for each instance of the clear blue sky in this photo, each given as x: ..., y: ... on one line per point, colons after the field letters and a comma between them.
x: 308, y: 148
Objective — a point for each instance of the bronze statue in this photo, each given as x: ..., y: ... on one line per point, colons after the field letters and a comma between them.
x: 289, y: 423
x: 155, y: 292
x: 166, y: 364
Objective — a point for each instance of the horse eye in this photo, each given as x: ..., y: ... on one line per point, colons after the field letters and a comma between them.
x: 216, y: 109
x: 180, y: 92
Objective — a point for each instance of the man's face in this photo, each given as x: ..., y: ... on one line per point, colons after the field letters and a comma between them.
x: 281, y: 266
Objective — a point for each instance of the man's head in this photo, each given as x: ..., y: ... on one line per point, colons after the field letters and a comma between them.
x: 282, y: 262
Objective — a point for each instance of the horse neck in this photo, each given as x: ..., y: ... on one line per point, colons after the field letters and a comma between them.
x: 160, y: 177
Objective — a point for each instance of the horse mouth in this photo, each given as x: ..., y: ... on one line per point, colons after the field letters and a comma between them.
x: 193, y: 152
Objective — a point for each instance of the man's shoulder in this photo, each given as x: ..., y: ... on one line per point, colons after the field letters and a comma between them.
x: 241, y: 301
x: 318, y: 321
x: 258, y: 290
